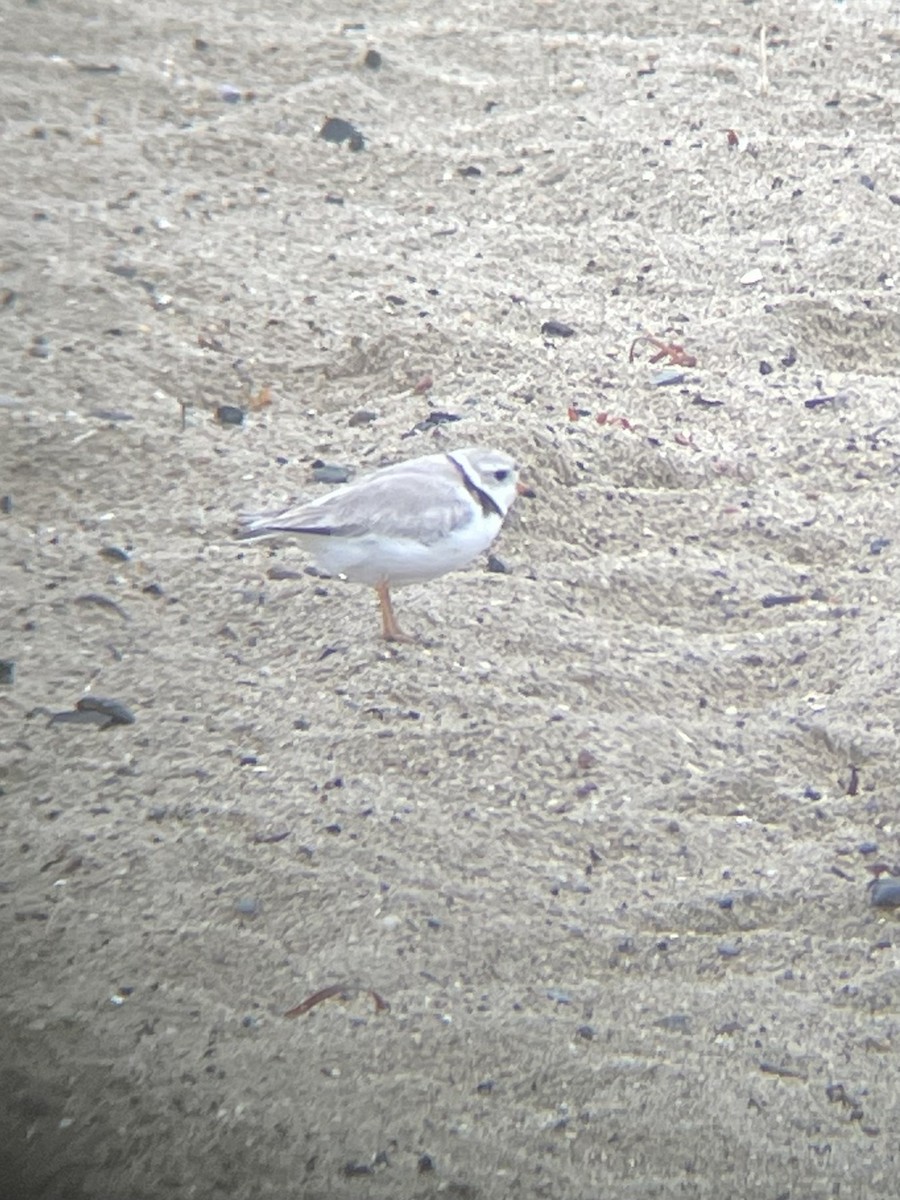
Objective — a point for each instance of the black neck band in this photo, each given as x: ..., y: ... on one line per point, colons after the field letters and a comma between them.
x: 489, y: 505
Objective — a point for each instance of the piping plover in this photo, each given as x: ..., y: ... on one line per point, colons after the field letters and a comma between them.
x: 404, y: 524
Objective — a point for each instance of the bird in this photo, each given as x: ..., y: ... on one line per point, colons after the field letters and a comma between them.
x: 407, y: 523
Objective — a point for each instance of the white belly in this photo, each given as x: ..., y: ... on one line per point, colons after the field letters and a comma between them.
x: 373, y: 558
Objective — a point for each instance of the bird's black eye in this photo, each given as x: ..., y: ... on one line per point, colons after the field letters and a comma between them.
x: 501, y: 475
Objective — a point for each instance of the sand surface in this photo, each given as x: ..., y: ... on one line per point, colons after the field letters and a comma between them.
x: 596, y: 841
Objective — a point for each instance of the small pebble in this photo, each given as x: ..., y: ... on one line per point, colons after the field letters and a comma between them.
x: 247, y: 907
x: 362, y: 416
x: 867, y: 847
x: 229, y: 93
x: 436, y: 418
x: 330, y: 473
x: 337, y: 130
x: 114, y: 710
x: 6, y: 505
x: 765, y: 368
x: 425, y: 1164
x: 497, y: 565
x: 40, y: 348
x: 679, y: 1022
x: 729, y: 950
x: 229, y: 414
x: 372, y: 60
x: 586, y: 1032
x: 7, y: 671
x: 885, y: 892
x: 878, y: 544
x: 868, y: 182
x: 558, y: 996
x: 556, y: 329
x: 115, y: 553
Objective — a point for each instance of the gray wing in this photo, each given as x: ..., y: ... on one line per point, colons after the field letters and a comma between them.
x: 420, y: 507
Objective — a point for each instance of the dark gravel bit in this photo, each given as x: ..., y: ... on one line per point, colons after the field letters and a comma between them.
x: 818, y: 401
x: 728, y: 950
x: 586, y: 1032
x: 775, y: 601
x: 677, y: 1022
x: 885, y: 893
x: 6, y: 505
x: 7, y: 671
x: 556, y: 329
x: 497, y: 565
x: 115, y: 711
x: 766, y: 368
x: 323, y: 472
x: 229, y: 414
x: 471, y: 172
x: 337, y: 130
x: 878, y: 544
x: 352, y: 1169
x: 436, y: 418
x: 116, y: 553
x: 372, y: 60
x: 363, y: 416
x: 425, y: 1164
x: 247, y: 907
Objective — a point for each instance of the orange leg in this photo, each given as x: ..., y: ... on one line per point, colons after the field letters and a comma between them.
x: 391, y: 631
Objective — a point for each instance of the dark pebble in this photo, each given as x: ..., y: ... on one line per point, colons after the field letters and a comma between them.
x: 729, y: 950
x: 775, y: 601
x: 330, y: 473
x: 586, y: 1032
x: 40, y: 348
x: 765, y: 368
x: 436, y: 418
x: 352, y: 1169
x: 811, y: 793
x: 277, y: 572
x: 229, y: 93
x: 372, y: 60
x: 497, y: 565
x: 6, y: 504
x: 885, y: 892
x: 425, y: 1164
x: 248, y: 760
x: 114, y: 710
x: 790, y: 358
x: 475, y: 173
x: 115, y: 553
x: 867, y: 847
x: 726, y: 902
x: 333, y: 828
x: 363, y: 416
x: 7, y: 671
x: 110, y: 414
x: 486, y: 1085
x: 817, y: 401
x: 247, y: 907
x: 868, y: 182
x: 678, y: 1022
x: 878, y: 544
x: 229, y: 414
x: 337, y: 130
x: 556, y: 329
